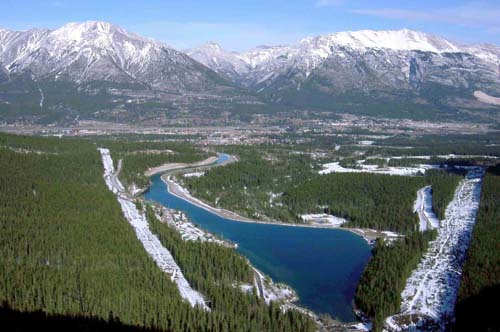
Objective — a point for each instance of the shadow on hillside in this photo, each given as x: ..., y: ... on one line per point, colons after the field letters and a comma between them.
x: 11, y: 320
x: 479, y: 313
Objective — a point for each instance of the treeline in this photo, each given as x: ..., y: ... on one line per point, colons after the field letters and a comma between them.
x: 66, y: 249
x: 217, y: 272
x: 443, y: 185
x: 476, y: 308
x: 378, y: 293
x: 52, y: 145
x: 479, y: 144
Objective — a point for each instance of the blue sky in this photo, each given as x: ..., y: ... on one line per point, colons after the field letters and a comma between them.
x: 241, y: 24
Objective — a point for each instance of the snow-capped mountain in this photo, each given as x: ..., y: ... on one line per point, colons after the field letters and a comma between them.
x: 221, y: 61
x: 93, y: 51
x: 364, y: 61
x: 103, y: 69
x: 99, y: 70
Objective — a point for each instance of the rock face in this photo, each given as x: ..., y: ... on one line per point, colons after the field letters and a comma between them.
x: 370, y: 63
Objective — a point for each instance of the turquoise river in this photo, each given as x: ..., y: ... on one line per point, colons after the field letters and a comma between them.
x: 322, y: 265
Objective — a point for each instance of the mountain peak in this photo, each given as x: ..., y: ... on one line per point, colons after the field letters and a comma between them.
x: 212, y: 44
x: 398, y: 40
x: 96, y: 32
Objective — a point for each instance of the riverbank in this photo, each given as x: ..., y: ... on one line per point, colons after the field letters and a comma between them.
x: 168, y: 167
x: 173, y: 187
x: 294, y: 256
x: 152, y: 245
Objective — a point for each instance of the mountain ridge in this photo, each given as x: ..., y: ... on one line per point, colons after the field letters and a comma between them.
x: 123, y: 69
x: 100, y: 70
x: 384, y: 63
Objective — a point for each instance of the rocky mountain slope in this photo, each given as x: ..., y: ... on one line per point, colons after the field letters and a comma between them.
x: 342, y: 68
x: 96, y: 70
x: 93, y: 61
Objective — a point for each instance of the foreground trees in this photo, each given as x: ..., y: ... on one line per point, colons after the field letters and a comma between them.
x: 66, y: 249
x: 379, y: 291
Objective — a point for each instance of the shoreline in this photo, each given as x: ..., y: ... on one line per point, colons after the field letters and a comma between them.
x: 177, y: 190
x: 169, y: 167
x: 180, y: 192
x: 288, y: 302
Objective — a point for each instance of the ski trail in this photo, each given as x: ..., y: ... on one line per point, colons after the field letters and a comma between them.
x: 162, y: 257
x: 423, y: 207
x: 431, y: 290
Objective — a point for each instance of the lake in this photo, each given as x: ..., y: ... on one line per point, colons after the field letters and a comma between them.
x: 322, y: 265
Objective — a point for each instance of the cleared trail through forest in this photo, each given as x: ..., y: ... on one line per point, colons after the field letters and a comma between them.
x: 162, y: 257
x: 431, y: 290
x: 423, y: 207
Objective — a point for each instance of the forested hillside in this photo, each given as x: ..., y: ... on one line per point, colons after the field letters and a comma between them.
x: 281, y: 185
x: 249, y: 185
x: 379, y: 290
x: 66, y: 249
x: 476, y: 308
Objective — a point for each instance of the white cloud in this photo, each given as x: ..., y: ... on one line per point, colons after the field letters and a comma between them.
x: 326, y: 3
x: 471, y: 14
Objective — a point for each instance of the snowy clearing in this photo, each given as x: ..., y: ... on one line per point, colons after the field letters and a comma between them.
x: 423, y: 206
x: 193, y: 174
x: 323, y: 219
x: 270, y: 291
x: 431, y: 290
x: 486, y: 98
x: 336, y: 168
x: 187, y: 230
x: 162, y: 257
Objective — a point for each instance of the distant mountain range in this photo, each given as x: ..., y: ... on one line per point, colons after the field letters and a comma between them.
x: 97, y: 70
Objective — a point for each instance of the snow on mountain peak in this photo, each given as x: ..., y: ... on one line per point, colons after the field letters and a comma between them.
x: 212, y: 44
x: 96, y: 32
x: 212, y: 55
x: 398, y: 40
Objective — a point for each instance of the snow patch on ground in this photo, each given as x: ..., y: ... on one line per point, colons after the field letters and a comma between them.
x: 485, y: 98
x: 336, y: 168
x: 323, y: 218
x: 187, y: 230
x: 193, y: 174
x: 360, y: 327
x: 431, y: 290
x: 270, y: 291
x: 162, y: 257
x: 42, y: 97
x: 391, y: 234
